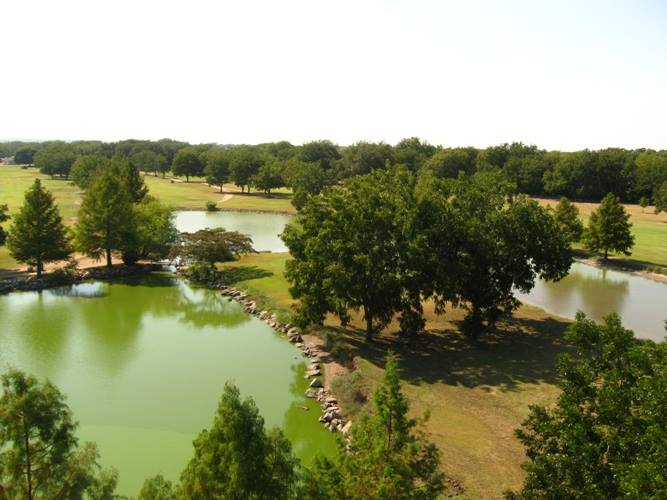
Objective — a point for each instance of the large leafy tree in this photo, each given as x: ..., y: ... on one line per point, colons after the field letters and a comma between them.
x: 38, y: 235
x: 25, y: 155
x: 3, y: 218
x: 55, y: 159
x: 86, y: 168
x: 131, y: 179
x: 609, y: 228
x: 237, y: 458
x: 483, y: 243
x: 154, y: 233
x: 150, y: 161
x: 217, y: 167
x: 606, y: 437
x: 349, y: 250
x: 447, y: 163
x: 268, y: 177
x: 188, y: 162
x: 106, y: 218
x: 40, y: 456
x: 324, y: 153
x: 306, y: 179
x: 387, y: 455
x: 363, y: 157
x: 212, y: 245
x: 244, y: 163
x: 566, y: 215
x: 413, y: 152
x: 660, y: 197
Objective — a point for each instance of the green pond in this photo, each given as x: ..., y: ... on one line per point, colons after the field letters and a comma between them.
x: 143, y: 362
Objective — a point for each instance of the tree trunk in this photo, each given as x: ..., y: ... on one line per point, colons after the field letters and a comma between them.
x: 221, y: 188
x: 369, y: 325
x: 108, y: 257
x: 187, y: 178
x: 40, y: 268
x: 606, y: 253
x: 28, y: 458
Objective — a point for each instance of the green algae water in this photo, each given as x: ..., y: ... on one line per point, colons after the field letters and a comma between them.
x: 143, y: 362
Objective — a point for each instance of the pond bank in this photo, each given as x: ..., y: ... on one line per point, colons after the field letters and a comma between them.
x: 63, y: 277
x: 331, y: 416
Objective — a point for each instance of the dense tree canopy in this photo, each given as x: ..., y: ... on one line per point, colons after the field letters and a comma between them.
x: 40, y: 456
x: 412, y: 152
x: 154, y: 232
x: 347, y: 250
x: 106, y: 218
x: 38, y: 235
x: 448, y: 163
x: 25, y: 155
x: 86, y: 168
x: 324, y: 153
x: 609, y: 228
x: 4, y: 217
x: 55, y: 159
x: 606, y: 437
x: 150, y: 161
x: 188, y: 162
x: 567, y: 218
x: 305, y: 179
x: 661, y: 198
x: 268, y: 177
x: 363, y: 157
x: 217, y: 167
x: 237, y: 459
x: 244, y: 163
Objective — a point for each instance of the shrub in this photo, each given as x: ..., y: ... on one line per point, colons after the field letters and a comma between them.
x: 211, y: 206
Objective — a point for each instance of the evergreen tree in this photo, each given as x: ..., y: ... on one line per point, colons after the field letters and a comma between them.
x: 237, y: 459
x: 387, y: 455
x: 606, y: 437
x: 133, y: 182
x: 37, y: 234
x: 106, y: 218
x: 567, y: 218
x: 3, y: 218
x: 40, y: 456
x: 609, y: 228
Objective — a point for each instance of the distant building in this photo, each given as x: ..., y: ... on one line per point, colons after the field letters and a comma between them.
x: 9, y: 160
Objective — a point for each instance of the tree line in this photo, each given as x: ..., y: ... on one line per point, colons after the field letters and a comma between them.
x: 385, y: 242
x: 637, y: 176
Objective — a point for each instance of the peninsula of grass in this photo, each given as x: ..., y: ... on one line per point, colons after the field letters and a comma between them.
x: 477, y: 393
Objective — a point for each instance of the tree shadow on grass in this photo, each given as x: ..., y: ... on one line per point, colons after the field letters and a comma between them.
x: 236, y: 274
x: 521, y: 351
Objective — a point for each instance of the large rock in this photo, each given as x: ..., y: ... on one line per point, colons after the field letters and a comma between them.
x: 315, y: 383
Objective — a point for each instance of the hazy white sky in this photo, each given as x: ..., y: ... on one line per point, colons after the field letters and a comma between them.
x: 560, y: 74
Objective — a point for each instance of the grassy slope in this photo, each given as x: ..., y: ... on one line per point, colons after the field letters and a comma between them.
x: 193, y: 195
x: 476, y: 393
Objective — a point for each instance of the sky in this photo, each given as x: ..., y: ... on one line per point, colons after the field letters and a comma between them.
x: 560, y: 74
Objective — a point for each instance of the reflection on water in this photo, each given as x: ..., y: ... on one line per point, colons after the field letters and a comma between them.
x: 143, y: 362
x: 641, y: 303
x: 263, y: 228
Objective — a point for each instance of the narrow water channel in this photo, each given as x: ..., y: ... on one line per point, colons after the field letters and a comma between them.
x: 143, y: 363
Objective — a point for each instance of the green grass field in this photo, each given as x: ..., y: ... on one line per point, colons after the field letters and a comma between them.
x: 476, y: 393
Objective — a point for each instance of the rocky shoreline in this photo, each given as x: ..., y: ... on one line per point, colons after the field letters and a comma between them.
x: 331, y: 416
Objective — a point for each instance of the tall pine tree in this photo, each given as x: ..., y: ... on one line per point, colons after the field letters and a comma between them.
x: 105, y: 218
x: 609, y: 228
x: 37, y: 234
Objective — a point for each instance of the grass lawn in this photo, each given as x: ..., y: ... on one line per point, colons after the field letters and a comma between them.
x: 195, y: 194
x: 477, y: 393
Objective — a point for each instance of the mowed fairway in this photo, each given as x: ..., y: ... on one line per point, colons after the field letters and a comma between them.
x: 476, y: 393
x: 180, y: 195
